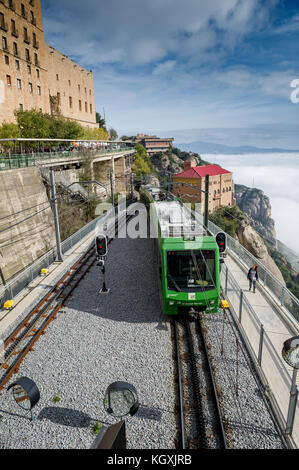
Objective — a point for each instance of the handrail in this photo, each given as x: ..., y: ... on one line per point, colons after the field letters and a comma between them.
x: 281, y: 293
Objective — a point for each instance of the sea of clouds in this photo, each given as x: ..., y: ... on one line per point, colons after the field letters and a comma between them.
x: 277, y: 174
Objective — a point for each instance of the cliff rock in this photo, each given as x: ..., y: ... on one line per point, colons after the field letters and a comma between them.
x: 250, y: 239
x: 256, y: 205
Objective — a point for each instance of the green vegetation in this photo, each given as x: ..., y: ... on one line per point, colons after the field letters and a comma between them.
x: 286, y: 269
x: 143, y: 166
x: 56, y: 399
x: 96, y: 428
x: 227, y: 218
x: 37, y: 125
x: 183, y: 155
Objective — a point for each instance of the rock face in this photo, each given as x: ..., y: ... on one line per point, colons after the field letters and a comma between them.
x: 250, y: 239
x: 256, y: 205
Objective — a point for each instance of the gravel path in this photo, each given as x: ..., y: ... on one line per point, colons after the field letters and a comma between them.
x: 247, y: 416
x: 99, y: 340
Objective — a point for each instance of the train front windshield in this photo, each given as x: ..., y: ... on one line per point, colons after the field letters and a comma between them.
x: 191, y: 270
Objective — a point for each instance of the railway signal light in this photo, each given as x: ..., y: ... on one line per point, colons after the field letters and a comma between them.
x: 101, y: 245
x: 221, y: 241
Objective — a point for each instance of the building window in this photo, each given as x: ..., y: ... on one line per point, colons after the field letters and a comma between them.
x: 6, y: 59
x: 21, y: 107
x: 26, y: 37
x: 86, y: 110
x: 27, y: 54
x: 17, y: 64
x: 79, y: 88
x: 30, y: 86
x: 80, y: 105
x: 14, y: 31
x: 36, y: 62
x: 57, y: 77
x: 39, y: 91
x: 8, y: 80
x: 89, y: 92
x: 69, y: 83
x: 3, y: 25
x: 15, y: 49
x: 32, y: 19
x: 90, y: 107
x: 37, y: 73
x: 29, y: 69
x: 19, y: 84
x: 71, y: 101
x: 23, y: 11
x: 4, y: 43
x: 35, y: 43
x: 58, y: 99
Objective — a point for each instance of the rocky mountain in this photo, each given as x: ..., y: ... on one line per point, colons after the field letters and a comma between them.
x: 256, y: 205
x: 250, y: 239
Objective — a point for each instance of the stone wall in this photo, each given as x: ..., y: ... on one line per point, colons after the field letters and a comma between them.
x: 29, y: 239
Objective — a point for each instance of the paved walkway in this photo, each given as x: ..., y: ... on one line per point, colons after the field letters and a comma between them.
x: 278, y: 327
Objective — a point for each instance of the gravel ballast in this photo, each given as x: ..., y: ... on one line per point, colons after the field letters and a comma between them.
x: 100, y: 339
x: 245, y: 410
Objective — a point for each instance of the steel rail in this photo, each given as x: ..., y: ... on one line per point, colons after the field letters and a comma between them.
x: 180, y: 385
x: 221, y: 429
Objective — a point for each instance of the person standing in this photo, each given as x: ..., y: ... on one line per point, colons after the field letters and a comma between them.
x: 252, y: 276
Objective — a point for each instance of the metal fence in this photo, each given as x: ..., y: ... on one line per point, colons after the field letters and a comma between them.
x: 262, y: 349
x: 21, y: 281
x: 26, y: 160
x: 281, y: 294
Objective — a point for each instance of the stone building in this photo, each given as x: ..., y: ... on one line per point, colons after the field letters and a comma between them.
x: 29, y: 69
x: 153, y: 144
x: 221, y: 186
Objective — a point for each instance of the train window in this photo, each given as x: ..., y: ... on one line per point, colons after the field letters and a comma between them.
x: 191, y: 270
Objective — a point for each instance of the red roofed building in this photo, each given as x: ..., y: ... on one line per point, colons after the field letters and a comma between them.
x: 221, y: 184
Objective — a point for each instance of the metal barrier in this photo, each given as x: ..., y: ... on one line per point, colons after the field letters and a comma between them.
x: 34, y: 159
x: 262, y: 348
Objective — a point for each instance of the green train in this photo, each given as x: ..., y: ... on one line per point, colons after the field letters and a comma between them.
x: 188, y: 259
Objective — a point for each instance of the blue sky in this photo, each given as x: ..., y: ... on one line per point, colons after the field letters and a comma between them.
x: 216, y: 70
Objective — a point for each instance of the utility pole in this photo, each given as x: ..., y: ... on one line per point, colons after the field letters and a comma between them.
x: 206, y: 218
x: 59, y: 256
x: 132, y: 186
x: 112, y: 188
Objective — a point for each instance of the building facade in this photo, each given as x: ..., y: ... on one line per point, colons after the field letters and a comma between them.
x: 29, y: 67
x: 153, y: 144
x: 221, y: 186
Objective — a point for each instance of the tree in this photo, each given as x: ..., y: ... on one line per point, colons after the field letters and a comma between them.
x: 101, y: 121
x: 9, y: 131
x: 113, y: 134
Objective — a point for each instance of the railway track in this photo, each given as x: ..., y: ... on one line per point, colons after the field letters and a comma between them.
x: 21, y: 341
x: 201, y: 424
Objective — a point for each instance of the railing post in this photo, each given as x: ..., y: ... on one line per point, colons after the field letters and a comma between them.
x: 282, y: 296
x: 261, y: 345
x: 292, y: 404
x: 241, y: 305
x: 226, y: 279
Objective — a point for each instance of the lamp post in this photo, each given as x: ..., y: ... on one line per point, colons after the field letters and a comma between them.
x: 290, y: 354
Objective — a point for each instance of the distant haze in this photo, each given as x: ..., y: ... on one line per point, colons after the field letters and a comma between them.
x: 277, y: 175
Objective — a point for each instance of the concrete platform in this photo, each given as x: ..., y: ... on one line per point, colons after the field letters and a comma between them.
x: 278, y: 327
